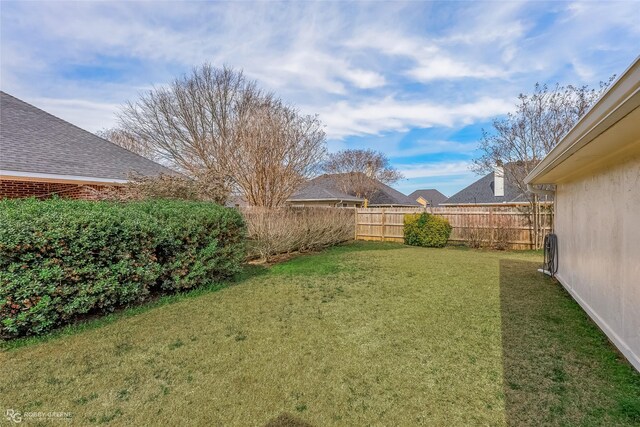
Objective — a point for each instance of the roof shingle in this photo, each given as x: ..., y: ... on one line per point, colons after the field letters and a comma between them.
x: 431, y: 195
x: 481, y: 192
x: 327, y: 187
x: 34, y: 141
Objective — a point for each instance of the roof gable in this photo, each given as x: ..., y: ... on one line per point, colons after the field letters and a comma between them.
x: 386, y: 195
x: 431, y: 195
x: 36, y: 142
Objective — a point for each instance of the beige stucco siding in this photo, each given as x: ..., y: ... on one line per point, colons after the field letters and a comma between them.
x: 597, y: 221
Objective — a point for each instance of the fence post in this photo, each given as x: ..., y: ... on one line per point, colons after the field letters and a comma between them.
x: 492, y: 230
x: 355, y: 218
x: 383, y: 222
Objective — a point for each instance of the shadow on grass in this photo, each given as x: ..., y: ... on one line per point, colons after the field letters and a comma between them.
x: 98, y: 320
x: 558, y: 367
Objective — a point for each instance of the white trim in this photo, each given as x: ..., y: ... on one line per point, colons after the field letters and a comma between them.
x: 60, y: 177
x: 633, y: 358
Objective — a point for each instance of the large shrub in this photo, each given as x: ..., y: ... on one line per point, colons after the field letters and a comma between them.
x: 426, y: 230
x: 60, y: 259
x: 296, y: 229
x: 198, y: 242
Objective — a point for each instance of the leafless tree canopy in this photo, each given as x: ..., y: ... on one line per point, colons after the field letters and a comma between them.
x: 276, y: 150
x: 358, y: 169
x: 523, y: 138
x: 520, y: 140
x: 127, y: 140
x: 215, y: 124
x: 178, y: 187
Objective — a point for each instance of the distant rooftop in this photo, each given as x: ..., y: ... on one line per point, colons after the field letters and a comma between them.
x: 432, y: 196
x: 482, y: 191
x: 328, y: 187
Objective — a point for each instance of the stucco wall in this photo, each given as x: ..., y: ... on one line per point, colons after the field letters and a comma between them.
x: 597, y: 221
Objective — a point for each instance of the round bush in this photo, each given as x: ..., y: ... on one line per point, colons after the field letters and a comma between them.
x: 426, y: 230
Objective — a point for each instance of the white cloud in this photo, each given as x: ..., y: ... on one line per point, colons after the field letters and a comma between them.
x: 429, y: 59
x: 447, y: 68
x: 371, y: 117
x: 435, y: 169
x: 367, y: 68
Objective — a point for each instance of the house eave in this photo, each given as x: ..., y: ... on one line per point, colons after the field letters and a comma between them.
x: 620, y: 100
x: 55, y: 178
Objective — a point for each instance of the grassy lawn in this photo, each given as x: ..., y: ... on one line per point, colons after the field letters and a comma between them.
x: 364, y: 334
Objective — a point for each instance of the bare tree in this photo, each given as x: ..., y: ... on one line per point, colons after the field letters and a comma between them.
x: 521, y: 139
x: 215, y: 124
x: 359, y: 169
x: 277, y: 149
x: 128, y: 141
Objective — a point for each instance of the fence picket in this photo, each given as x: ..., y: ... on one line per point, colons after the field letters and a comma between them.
x: 511, y: 223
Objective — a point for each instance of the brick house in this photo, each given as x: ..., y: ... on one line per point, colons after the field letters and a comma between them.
x: 42, y: 155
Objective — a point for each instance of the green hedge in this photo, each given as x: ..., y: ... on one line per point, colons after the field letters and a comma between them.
x: 60, y: 259
x: 426, y: 230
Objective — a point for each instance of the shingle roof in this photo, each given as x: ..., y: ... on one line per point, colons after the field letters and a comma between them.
x: 323, y: 187
x: 481, y: 191
x: 431, y: 195
x: 386, y: 195
x: 34, y: 141
x: 327, y: 187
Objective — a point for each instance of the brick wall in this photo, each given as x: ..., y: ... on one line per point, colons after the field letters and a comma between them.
x: 20, y: 189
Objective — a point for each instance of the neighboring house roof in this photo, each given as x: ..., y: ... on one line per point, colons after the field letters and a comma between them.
x: 602, y: 136
x: 481, y: 192
x: 328, y: 187
x: 36, y: 144
x: 387, y: 196
x: 431, y: 195
x: 323, y: 187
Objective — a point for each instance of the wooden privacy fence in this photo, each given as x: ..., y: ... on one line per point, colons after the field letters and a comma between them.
x: 385, y: 224
x: 503, y: 227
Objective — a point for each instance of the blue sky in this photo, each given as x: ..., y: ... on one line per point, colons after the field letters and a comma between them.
x: 416, y: 80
